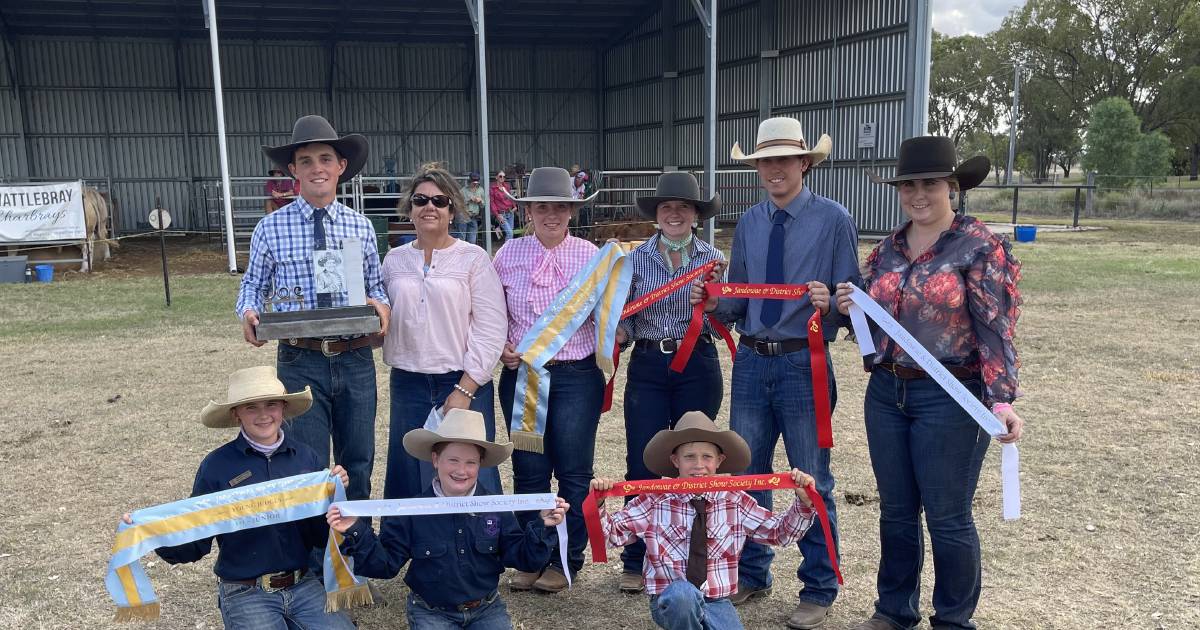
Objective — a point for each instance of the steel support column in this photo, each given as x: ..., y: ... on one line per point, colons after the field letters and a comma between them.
x: 222, y: 145
x: 707, y: 12
x: 916, y: 66
x: 476, y: 10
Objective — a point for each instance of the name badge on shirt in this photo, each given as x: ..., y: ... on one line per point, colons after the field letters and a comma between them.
x: 239, y: 479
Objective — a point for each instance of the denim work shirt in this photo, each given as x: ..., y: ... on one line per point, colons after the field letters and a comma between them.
x: 820, y: 243
x: 250, y: 553
x: 455, y: 558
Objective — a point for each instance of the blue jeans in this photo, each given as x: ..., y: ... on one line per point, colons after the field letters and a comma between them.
x: 573, y: 414
x: 300, y: 607
x: 926, y: 453
x: 413, y: 396
x: 470, y: 231
x: 490, y: 616
x: 655, y: 398
x: 506, y: 224
x: 682, y: 607
x: 458, y: 228
x: 343, y: 408
x: 772, y: 397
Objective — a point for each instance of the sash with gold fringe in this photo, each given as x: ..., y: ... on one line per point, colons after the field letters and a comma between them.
x: 255, y: 505
x: 600, y: 288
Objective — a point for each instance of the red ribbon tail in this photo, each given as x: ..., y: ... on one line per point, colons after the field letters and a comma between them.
x: 724, y: 332
x: 820, y: 378
x: 608, y: 388
x: 684, y: 353
x: 591, y: 518
x: 823, y: 516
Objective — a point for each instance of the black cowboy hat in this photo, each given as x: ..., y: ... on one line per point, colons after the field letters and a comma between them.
x: 679, y: 186
x: 932, y: 157
x: 315, y: 129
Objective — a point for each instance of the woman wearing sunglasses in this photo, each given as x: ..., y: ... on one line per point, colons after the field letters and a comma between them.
x: 448, y: 331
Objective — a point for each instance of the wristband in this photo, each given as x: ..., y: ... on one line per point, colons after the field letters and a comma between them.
x: 1001, y: 406
x: 464, y: 391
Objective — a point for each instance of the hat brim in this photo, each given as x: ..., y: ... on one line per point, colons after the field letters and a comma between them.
x: 969, y: 174
x: 353, y: 147
x: 578, y: 202
x: 705, y: 210
x: 217, y: 415
x: 818, y: 153
x: 419, y: 443
x: 657, y: 456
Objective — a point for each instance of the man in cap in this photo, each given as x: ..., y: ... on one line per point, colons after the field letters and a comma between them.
x: 340, y: 371
x: 809, y: 240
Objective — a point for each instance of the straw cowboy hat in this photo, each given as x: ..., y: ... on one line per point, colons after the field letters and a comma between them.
x: 459, y: 425
x: 249, y: 385
x: 550, y: 183
x: 932, y: 157
x: 679, y: 186
x: 782, y: 136
x: 313, y: 129
x: 694, y: 426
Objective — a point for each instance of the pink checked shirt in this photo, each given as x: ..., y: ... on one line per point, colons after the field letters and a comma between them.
x: 664, y: 521
x: 532, y: 275
x: 451, y: 319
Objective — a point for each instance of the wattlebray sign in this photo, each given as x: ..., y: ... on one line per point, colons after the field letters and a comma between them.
x: 42, y: 212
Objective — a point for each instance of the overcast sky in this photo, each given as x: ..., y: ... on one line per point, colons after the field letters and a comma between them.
x: 955, y: 17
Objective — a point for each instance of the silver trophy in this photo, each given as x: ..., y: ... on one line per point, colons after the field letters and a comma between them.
x: 285, y: 317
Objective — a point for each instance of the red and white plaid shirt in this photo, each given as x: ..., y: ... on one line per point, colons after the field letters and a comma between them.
x: 532, y: 275
x: 664, y: 521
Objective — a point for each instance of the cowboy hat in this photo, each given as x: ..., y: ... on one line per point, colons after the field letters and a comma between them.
x: 249, y: 385
x: 782, y: 136
x: 550, y: 183
x: 459, y: 425
x: 679, y: 186
x: 694, y: 426
x: 315, y: 129
x: 932, y: 157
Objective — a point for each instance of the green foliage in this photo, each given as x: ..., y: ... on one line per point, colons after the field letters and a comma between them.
x: 1112, y: 137
x: 968, y: 86
x: 1152, y: 155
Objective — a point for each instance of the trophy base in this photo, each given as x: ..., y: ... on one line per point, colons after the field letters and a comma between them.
x: 317, y: 323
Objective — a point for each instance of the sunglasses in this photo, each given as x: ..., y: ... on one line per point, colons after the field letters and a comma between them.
x: 438, y: 201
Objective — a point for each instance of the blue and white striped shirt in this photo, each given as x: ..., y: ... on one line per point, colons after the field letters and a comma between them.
x: 669, y: 317
x: 281, y: 255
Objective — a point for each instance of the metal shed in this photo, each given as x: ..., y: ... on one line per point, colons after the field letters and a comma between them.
x: 121, y: 91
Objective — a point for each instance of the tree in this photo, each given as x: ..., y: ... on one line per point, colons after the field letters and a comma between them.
x: 1112, y: 136
x: 968, y: 86
x: 1048, y: 126
x: 1152, y: 155
x: 992, y: 145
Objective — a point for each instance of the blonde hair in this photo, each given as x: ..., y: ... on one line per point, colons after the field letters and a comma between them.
x: 439, y: 177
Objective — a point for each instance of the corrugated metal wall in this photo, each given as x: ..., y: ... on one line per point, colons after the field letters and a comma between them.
x: 839, y: 63
x: 117, y: 109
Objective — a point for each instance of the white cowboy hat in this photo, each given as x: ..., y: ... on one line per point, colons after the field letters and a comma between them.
x: 249, y: 385
x: 459, y: 425
x: 783, y: 136
x: 694, y: 426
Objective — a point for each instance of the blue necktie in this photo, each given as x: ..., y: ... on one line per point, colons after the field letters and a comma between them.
x: 324, y: 300
x: 769, y: 315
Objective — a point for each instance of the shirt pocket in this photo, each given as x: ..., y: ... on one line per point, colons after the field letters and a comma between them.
x: 675, y: 540
x: 427, y: 559
x: 721, y: 543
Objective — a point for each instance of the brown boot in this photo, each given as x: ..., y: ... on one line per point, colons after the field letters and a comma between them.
x: 874, y: 623
x: 523, y: 581
x: 552, y: 581
x: 632, y: 583
x: 744, y: 594
x: 807, y: 616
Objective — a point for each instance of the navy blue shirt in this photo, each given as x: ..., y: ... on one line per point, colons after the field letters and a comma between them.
x: 456, y: 558
x: 820, y: 243
x: 249, y: 553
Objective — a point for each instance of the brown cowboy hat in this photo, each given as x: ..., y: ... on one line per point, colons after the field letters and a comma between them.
x: 249, y: 385
x: 459, y: 425
x: 932, y: 157
x: 313, y: 129
x: 694, y: 426
x: 679, y: 186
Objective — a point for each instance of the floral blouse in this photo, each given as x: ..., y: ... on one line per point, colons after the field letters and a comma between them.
x: 959, y: 299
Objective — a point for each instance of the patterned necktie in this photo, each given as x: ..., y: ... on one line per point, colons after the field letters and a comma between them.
x: 324, y: 300
x: 697, y: 567
x: 769, y: 315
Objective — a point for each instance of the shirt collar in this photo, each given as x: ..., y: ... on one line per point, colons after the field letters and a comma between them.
x: 244, y: 447
x: 794, y: 207
x: 437, y: 488
x: 306, y: 209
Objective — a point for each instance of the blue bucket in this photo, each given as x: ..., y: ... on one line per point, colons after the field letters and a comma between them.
x: 1026, y: 233
x: 45, y: 273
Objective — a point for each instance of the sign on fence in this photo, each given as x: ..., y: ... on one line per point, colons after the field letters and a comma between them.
x: 866, y: 135
x: 42, y: 212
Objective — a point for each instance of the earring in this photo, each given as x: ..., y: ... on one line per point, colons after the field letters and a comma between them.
x: 953, y: 195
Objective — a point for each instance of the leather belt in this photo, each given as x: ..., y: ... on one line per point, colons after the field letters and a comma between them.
x: 910, y: 373
x: 768, y: 348
x: 553, y: 362
x: 273, y: 581
x: 463, y: 607
x: 330, y: 347
x: 666, y: 346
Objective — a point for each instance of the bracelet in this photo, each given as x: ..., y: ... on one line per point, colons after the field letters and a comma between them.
x: 1001, y: 406
x: 464, y: 391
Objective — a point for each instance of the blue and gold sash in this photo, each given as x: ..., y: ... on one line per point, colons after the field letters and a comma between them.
x: 268, y: 503
x: 600, y: 288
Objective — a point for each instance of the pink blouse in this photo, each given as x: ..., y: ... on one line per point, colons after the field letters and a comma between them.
x: 452, y: 318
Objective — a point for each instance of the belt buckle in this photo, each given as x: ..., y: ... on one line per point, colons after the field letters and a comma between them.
x: 471, y: 605
x: 767, y: 348
x: 662, y: 346
x: 325, y: 348
x: 264, y: 581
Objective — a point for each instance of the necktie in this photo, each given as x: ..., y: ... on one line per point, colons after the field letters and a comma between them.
x: 769, y: 315
x: 324, y: 300
x: 697, y: 567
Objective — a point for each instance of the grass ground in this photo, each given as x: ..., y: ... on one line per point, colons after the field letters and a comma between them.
x: 103, y: 385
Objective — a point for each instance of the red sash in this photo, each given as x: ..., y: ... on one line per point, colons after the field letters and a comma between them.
x: 698, y: 485
x: 816, y: 342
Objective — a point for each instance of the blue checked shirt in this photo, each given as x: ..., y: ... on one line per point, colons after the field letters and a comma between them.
x: 669, y: 317
x: 281, y: 255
